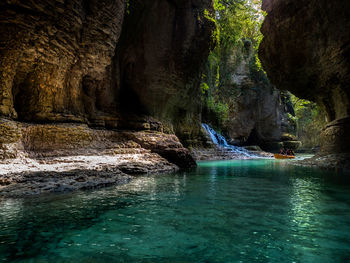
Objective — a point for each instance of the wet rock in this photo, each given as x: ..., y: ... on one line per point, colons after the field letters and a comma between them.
x: 26, y: 183
x: 335, y: 137
x: 253, y: 148
x: 66, y: 157
x: 166, y: 145
x: 62, y: 174
x: 339, y: 162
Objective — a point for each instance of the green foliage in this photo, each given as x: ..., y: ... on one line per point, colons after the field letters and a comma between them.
x: 204, y: 87
x: 218, y: 112
x: 216, y: 32
x: 237, y: 22
x: 310, y: 120
x: 237, y: 38
x: 256, y: 71
x: 128, y: 7
x: 292, y: 119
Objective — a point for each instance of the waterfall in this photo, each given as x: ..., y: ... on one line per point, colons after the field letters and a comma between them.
x: 221, y: 142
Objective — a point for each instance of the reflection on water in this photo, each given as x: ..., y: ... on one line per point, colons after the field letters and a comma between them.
x: 224, y: 211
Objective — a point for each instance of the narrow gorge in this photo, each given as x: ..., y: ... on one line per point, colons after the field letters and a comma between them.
x: 123, y: 81
x: 174, y: 131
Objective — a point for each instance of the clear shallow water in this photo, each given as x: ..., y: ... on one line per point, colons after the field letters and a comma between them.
x: 224, y: 211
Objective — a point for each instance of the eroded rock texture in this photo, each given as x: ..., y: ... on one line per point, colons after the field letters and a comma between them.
x: 162, y: 49
x: 42, y: 158
x: 56, y: 57
x: 63, y: 61
x: 306, y: 49
x: 131, y: 65
x: 257, y: 111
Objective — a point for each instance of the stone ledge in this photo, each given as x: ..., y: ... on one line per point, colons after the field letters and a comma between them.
x: 335, y: 162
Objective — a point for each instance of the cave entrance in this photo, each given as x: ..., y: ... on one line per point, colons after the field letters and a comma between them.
x: 254, y: 138
x: 22, y: 102
x: 129, y: 97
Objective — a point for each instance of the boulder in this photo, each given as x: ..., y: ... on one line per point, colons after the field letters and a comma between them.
x: 272, y: 146
x: 292, y: 145
x: 288, y: 137
x: 166, y: 145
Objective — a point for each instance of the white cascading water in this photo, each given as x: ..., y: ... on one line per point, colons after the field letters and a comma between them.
x: 221, y: 142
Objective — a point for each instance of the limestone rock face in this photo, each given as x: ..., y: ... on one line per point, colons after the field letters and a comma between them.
x: 258, y: 115
x: 56, y: 57
x: 93, y: 61
x: 335, y: 137
x: 162, y: 49
x: 257, y: 112
x: 23, y: 141
x: 306, y: 49
x: 131, y: 65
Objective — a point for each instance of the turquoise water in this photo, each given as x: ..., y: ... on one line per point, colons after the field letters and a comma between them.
x: 224, y: 211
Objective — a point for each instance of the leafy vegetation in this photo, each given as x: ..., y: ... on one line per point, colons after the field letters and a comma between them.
x: 237, y: 37
x: 309, y: 119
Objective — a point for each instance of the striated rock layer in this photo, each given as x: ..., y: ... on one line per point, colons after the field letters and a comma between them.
x: 56, y: 59
x: 95, y: 62
x: 161, y: 52
x: 134, y: 66
x: 306, y: 49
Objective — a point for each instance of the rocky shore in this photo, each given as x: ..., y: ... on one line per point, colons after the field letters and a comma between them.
x: 21, y: 177
x: 44, y: 158
x: 336, y: 162
x: 216, y: 153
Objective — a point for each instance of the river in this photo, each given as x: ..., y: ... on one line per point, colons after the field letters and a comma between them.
x: 223, y: 211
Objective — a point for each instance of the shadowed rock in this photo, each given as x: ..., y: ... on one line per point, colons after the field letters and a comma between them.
x: 306, y: 49
x: 101, y: 64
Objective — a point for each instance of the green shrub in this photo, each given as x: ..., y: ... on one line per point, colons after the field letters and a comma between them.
x: 218, y: 110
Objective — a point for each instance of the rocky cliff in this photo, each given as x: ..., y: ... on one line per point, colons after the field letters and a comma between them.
x: 108, y: 63
x: 256, y: 110
x: 70, y: 70
x: 92, y: 61
x: 306, y: 49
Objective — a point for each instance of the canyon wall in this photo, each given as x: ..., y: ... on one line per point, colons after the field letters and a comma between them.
x: 56, y: 59
x: 306, y: 49
x: 127, y: 65
x: 91, y: 61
